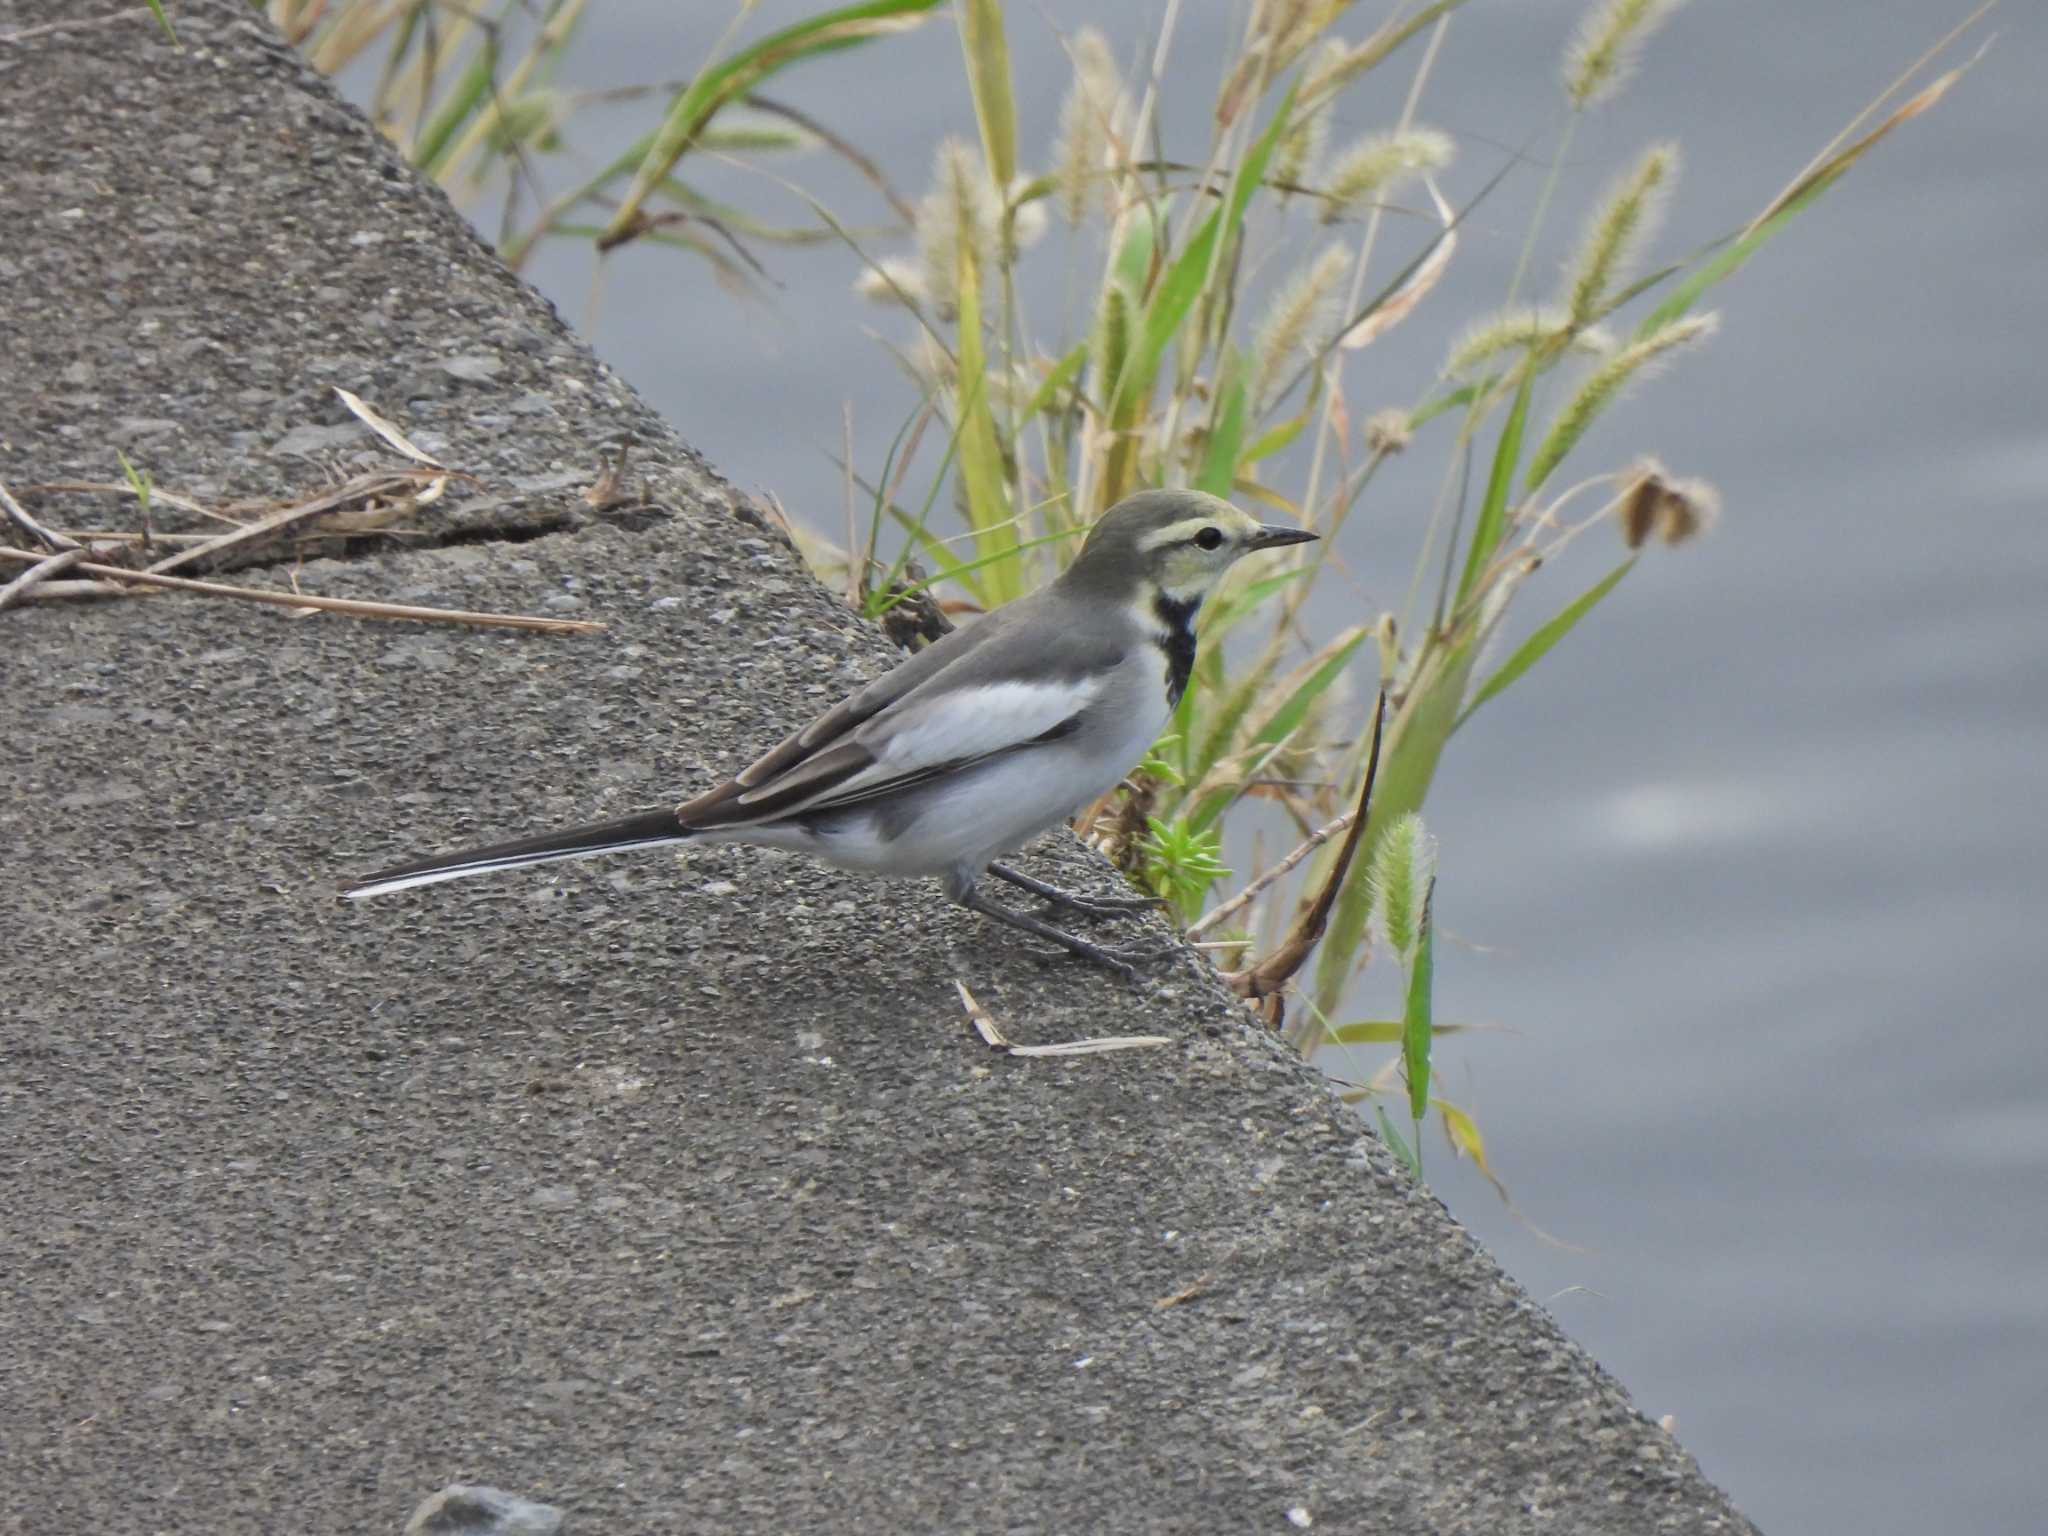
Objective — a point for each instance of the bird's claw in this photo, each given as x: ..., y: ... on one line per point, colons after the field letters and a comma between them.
x: 1124, y: 961
x: 1105, y: 908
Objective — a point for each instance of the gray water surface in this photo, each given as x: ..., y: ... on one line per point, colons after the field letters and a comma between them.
x: 1751, y: 872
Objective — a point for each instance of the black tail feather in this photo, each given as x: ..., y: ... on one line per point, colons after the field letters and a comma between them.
x: 644, y: 829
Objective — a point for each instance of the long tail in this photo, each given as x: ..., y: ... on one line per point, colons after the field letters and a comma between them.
x: 645, y: 829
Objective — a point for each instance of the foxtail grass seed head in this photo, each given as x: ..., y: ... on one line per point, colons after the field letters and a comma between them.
x: 1517, y: 329
x: 1284, y: 27
x: 1378, y: 164
x: 1388, y: 432
x: 1301, y: 147
x: 955, y: 221
x: 1604, y: 51
x: 1387, y: 635
x: 1091, y: 119
x: 1607, y: 381
x: 1629, y: 216
x: 1402, y: 867
x: 1674, y: 510
x: 1299, y: 319
x: 1112, y: 340
x: 1027, y: 220
x: 892, y: 280
x: 1336, y: 64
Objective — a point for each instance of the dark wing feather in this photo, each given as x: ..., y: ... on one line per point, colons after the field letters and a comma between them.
x: 806, y: 781
x: 716, y: 807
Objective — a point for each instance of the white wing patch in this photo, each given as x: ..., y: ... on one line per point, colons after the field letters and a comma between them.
x: 933, y: 729
x: 972, y: 722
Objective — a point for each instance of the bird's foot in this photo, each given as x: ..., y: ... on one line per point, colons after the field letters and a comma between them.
x: 1103, y: 908
x: 1124, y: 961
x: 1127, y: 960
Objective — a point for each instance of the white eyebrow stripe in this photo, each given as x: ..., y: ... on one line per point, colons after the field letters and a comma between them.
x: 1174, y: 533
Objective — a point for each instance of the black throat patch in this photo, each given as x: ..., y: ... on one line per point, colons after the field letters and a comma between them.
x: 1176, y: 638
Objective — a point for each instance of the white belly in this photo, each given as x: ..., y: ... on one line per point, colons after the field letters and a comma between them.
x: 966, y: 819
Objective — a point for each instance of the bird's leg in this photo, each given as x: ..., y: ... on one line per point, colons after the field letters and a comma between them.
x: 1122, y: 961
x: 1087, y: 906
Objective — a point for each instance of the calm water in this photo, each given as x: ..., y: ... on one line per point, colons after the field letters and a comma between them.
x: 1752, y: 873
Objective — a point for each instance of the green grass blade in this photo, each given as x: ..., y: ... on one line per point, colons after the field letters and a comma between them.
x: 1221, y: 618
x: 1415, y: 745
x: 699, y: 101
x: 1063, y: 373
x: 981, y: 459
x: 955, y: 571
x: 1465, y: 1138
x: 1363, y: 1032
x: 1429, y: 410
x: 1272, y: 440
x: 1184, y: 280
x: 1399, y: 1143
x: 1493, y: 512
x: 918, y: 540
x: 1226, y: 433
x: 1286, y: 719
x: 919, y: 528
x: 469, y: 94
x: 1378, y: 1032
x: 988, y: 77
x: 1140, y: 245
x: 1728, y: 260
x: 1538, y: 645
x: 1415, y: 1028
x: 1811, y: 185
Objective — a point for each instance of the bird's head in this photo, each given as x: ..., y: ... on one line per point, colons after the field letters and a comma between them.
x: 1171, y: 544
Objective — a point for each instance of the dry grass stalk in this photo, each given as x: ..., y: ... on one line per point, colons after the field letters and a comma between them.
x: 157, y: 495
x: 993, y: 1037
x: 1261, y: 983
x: 1256, y: 888
x: 366, y: 487
x: 18, y: 589
x: 352, y: 606
x: 29, y: 526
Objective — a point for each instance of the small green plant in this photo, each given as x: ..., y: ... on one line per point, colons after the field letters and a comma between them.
x: 144, y: 488
x: 1181, y: 863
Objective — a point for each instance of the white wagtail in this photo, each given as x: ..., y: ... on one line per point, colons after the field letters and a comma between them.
x: 976, y: 744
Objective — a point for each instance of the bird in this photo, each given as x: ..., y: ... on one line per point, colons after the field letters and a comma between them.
x: 972, y: 747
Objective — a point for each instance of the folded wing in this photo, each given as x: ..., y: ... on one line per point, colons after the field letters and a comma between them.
x: 958, y: 702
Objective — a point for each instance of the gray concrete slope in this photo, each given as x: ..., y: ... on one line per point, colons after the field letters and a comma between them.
x: 671, y: 1191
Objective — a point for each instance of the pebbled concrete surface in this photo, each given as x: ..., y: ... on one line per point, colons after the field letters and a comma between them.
x: 668, y: 1191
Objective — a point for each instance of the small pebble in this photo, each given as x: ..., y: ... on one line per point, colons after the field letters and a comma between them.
x: 471, y: 1509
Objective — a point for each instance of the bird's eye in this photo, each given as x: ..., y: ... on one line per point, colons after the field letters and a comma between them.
x: 1209, y: 538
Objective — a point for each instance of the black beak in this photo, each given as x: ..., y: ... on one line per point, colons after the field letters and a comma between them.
x: 1273, y: 535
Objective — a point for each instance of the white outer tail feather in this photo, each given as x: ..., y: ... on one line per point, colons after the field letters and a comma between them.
x: 484, y: 861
